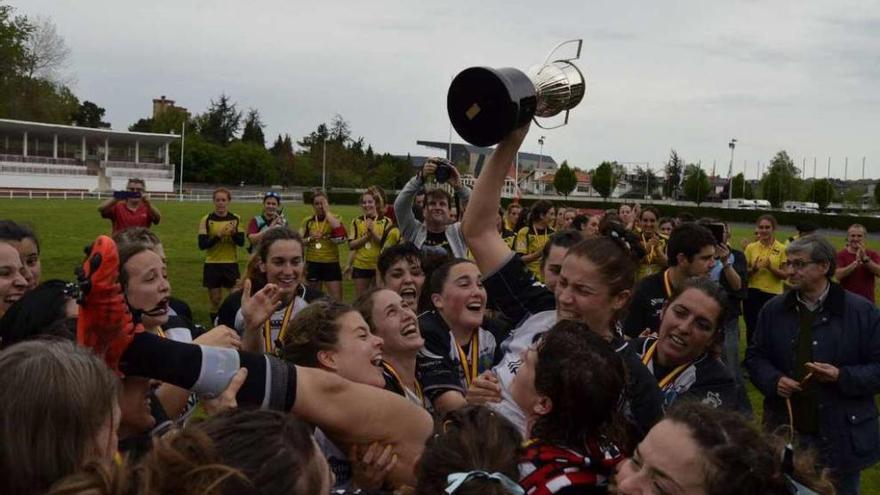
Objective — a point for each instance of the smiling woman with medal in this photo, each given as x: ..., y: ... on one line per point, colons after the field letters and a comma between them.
x: 683, y: 357
x: 273, y: 293
x: 322, y: 234
x: 369, y: 234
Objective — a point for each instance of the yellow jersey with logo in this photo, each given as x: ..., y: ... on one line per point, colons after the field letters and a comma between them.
x: 323, y: 250
x: 531, y: 240
x: 764, y: 280
x: 213, y: 225
x: 651, y: 263
x: 367, y: 256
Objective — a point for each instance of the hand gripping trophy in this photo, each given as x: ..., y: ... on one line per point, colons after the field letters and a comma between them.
x: 486, y: 104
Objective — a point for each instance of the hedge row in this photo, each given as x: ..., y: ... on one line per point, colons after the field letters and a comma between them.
x: 839, y: 222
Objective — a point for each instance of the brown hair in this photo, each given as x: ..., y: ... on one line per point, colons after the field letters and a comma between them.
x: 56, y: 396
x: 378, y: 197
x: 141, y: 235
x: 313, y: 330
x: 452, y: 449
x: 364, y: 305
x: 738, y: 457
x: 222, y: 190
x: 584, y: 379
x: 769, y: 218
x: 273, y: 449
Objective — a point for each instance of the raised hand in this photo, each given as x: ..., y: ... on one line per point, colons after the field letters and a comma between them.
x: 257, y: 308
x: 220, y: 336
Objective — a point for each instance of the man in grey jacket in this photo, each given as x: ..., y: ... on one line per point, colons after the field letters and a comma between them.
x: 437, y: 236
x: 817, y: 348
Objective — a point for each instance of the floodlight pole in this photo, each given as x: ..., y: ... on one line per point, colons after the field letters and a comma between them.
x: 182, y: 139
x: 732, y: 145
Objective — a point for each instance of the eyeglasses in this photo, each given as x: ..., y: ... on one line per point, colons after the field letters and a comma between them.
x: 272, y: 194
x: 799, y: 264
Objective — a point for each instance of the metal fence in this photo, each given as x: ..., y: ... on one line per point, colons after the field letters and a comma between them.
x: 154, y: 196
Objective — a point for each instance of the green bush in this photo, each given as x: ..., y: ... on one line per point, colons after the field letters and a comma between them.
x: 839, y: 222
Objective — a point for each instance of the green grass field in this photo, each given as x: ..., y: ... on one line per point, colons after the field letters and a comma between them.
x: 65, y: 227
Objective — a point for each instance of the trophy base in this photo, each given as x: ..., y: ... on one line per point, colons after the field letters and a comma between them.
x: 486, y: 104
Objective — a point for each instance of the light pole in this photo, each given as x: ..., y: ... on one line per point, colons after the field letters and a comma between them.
x: 324, y: 168
x: 732, y: 145
x: 541, y: 156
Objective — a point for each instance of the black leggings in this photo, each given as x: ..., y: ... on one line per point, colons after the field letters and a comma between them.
x: 270, y: 382
x: 751, y: 307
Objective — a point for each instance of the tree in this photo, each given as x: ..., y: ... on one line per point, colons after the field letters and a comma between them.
x: 340, y: 130
x: 821, y: 192
x: 741, y: 188
x: 47, y: 55
x: 220, y: 124
x: 89, y: 114
x: 853, y: 196
x: 14, y: 34
x: 781, y: 182
x: 674, y: 168
x: 565, y: 179
x: 696, y: 185
x: 604, y: 180
x: 253, y: 129
x: 645, y: 181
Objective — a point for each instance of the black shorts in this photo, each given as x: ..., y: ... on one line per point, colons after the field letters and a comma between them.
x: 323, y: 272
x: 362, y: 273
x: 217, y: 275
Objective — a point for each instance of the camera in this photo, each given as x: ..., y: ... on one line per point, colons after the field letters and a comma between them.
x: 126, y: 194
x: 444, y: 170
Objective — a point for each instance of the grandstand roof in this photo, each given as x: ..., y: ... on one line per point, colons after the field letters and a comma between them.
x: 10, y: 125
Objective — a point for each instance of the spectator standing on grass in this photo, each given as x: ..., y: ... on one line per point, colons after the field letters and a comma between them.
x: 766, y: 260
x: 132, y: 208
x: 220, y: 236
x: 530, y: 239
x: 815, y: 357
x: 437, y: 237
x: 322, y: 234
x: 857, y: 266
x: 272, y: 216
x: 731, y: 273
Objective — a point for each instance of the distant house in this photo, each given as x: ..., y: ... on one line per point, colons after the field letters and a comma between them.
x: 474, y: 157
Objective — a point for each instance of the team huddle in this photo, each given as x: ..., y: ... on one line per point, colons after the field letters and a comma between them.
x: 488, y: 350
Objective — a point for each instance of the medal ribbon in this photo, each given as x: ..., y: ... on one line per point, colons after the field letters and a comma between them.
x: 669, y: 378
x: 470, y: 366
x: 267, y: 327
x: 390, y: 369
x: 667, y: 285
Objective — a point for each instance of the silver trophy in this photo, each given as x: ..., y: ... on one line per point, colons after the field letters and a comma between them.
x: 486, y: 104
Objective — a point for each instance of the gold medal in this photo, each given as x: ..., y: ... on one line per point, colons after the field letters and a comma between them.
x: 368, y: 245
x: 318, y: 245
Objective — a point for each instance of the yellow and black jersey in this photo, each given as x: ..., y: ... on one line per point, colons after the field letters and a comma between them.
x: 367, y: 256
x: 324, y: 245
x: 531, y: 240
x: 220, y: 237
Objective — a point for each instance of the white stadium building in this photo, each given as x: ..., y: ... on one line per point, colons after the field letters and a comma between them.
x: 51, y: 157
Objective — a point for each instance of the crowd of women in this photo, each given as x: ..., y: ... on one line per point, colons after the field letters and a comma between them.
x: 505, y: 372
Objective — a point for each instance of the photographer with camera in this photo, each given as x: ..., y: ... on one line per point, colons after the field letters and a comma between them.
x: 436, y: 237
x: 130, y: 208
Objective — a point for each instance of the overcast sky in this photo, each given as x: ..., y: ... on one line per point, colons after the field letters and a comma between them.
x: 796, y: 75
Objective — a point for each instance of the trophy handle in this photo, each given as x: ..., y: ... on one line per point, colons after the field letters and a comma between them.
x: 564, y: 122
x: 580, y: 43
